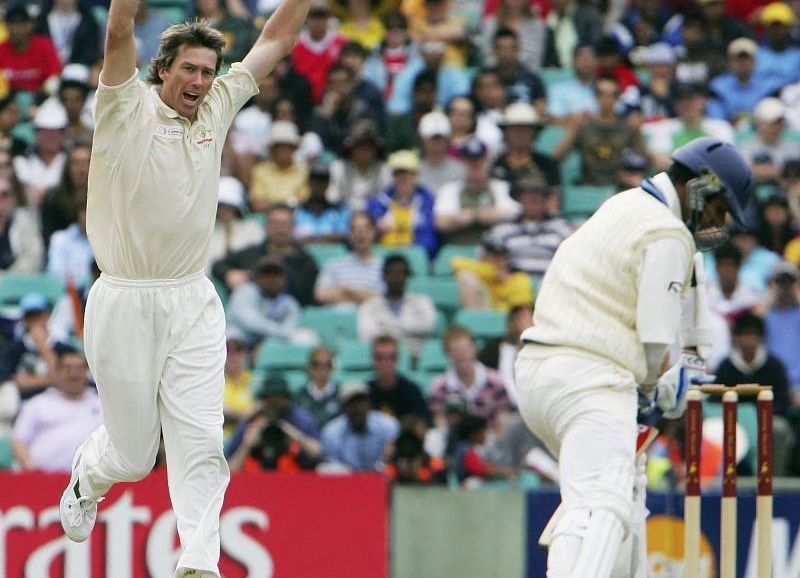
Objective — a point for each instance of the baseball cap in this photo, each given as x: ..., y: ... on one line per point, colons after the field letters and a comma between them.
x: 742, y: 45
x: 473, y: 150
x: 785, y: 271
x: 769, y: 109
x: 18, y: 13
x: 778, y: 13
x: 274, y: 384
x: 632, y: 161
x: 284, y: 132
x: 404, y: 160
x: 231, y: 193
x: 51, y: 116
x: 34, y: 303
x: 520, y: 114
x: 434, y: 124
x: 351, y: 390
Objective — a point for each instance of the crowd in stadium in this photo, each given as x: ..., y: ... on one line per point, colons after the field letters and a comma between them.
x: 390, y: 202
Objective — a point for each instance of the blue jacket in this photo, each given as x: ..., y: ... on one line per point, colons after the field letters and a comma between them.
x: 425, y: 234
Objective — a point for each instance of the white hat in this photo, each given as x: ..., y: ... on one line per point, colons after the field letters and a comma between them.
x: 76, y: 73
x: 284, y: 132
x: 231, y: 193
x: 434, y: 124
x: 520, y: 114
x: 433, y: 47
x: 742, y: 45
x: 51, y: 116
x: 404, y: 160
x: 769, y: 110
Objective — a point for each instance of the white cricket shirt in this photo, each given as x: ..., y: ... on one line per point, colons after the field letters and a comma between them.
x: 154, y: 177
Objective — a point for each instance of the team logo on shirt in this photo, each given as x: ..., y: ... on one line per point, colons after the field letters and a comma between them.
x: 675, y: 286
x: 203, y: 136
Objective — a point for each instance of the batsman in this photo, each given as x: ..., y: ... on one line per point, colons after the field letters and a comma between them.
x: 619, y: 293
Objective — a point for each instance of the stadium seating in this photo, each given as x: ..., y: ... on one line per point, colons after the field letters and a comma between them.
x: 580, y: 201
x: 277, y: 355
x: 433, y: 359
x: 6, y: 453
x: 484, y: 325
x: 324, y: 252
x: 331, y: 324
x: 442, y: 265
x: 13, y: 286
x: 417, y: 258
x: 442, y: 290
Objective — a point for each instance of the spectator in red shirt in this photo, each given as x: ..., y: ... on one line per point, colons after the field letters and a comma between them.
x: 28, y: 60
x: 318, y: 48
x: 468, y: 464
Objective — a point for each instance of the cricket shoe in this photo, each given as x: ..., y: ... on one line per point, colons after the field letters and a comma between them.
x: 78, y: 513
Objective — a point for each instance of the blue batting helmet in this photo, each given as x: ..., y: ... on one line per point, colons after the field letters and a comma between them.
x: 722, y: 159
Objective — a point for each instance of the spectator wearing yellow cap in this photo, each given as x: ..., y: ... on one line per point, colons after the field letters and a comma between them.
x: 404, y: 210
x: 779, y: 57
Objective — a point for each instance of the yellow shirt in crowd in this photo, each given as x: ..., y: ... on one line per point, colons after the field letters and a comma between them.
x: 516, y: 289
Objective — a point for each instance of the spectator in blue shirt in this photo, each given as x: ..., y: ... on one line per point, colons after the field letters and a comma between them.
x: 575, y: 97
x: 783, y: 323
x: 70, y: 256
x: 738, y: 91
x: 318, y: 220
x: 779, y: 57
x: 360, y: 439
x: 450, y: 82
x: 404, y: 211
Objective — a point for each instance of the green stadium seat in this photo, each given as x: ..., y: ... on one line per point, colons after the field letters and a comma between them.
x: 297, y: 380
x: 222, y: 290
x: 571, y: 169
x: 442, y: 265
x: 346, y: 376
x: 433, y: 359
x: 549, y: 138
x: 6, y: 453
x: 25, y: 132
x: 324, y: 252
x: 417, y: 258
x: 277, y: 355
x: 441, y: 324
x: 442, y: 290
x: 583, y: 200
x: 484, y: 325
x: 331, y: 324
x: 259, y: 218
x: 14, y: 286
x: 552, y: 76
x: 173, y: 14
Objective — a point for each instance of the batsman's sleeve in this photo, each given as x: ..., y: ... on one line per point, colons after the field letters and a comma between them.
x: 663, y: 273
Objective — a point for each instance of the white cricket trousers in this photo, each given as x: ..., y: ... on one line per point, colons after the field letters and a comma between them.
x: 584, y: 410
x: 157, y: 352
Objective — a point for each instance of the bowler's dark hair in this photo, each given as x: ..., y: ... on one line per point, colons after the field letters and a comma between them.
x: 195, y: 33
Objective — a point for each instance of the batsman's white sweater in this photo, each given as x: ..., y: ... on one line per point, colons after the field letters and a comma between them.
x: 588, y: 300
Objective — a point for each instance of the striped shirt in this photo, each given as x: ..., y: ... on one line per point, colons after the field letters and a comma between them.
x: 486, y: 397
x: 532, y: 245
x: 350, y: 271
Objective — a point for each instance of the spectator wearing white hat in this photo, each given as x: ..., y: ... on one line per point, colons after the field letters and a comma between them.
x: 43, y: 166
x: 654, y: 100
x: 437, y: 166
x: 280, y: 180
x: 768, y: 152
x: 232, y: 232
x: 738, y: 91
x: 521, y: 125
x: 74, y: 95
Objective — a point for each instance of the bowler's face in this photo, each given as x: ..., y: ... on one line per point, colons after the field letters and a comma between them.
x: 188, y: 80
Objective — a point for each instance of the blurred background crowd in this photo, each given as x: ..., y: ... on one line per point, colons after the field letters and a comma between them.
x: 390, y: 201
